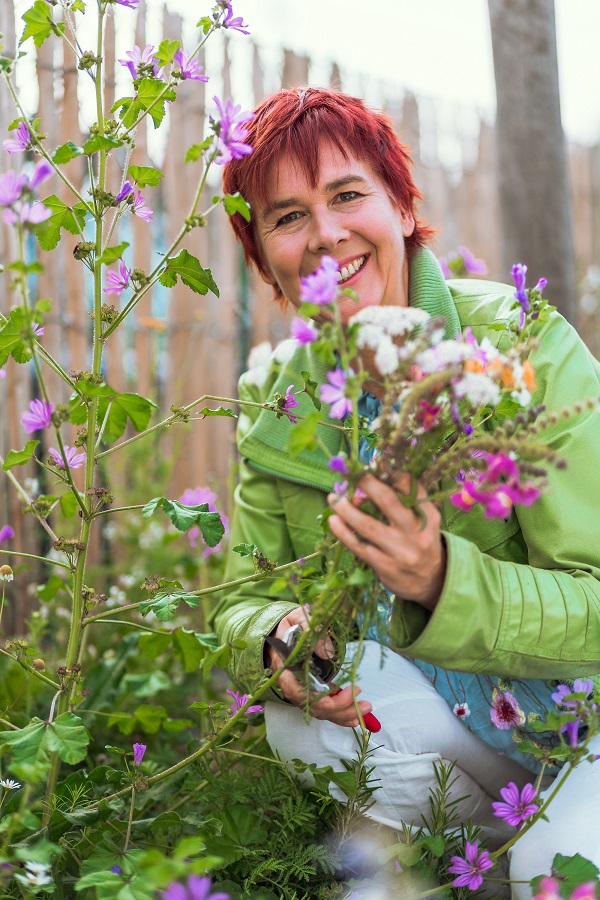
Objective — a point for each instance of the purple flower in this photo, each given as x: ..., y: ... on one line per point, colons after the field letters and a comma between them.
x: 338, y: 464
x: 2, y: 372
x: 37, y: 330
x: 519, y: 274
x: 230, y: 131
x: 40, y: 416
x: 138, y: 57
x: 580, y: 686
x: 42, y: 171
x: 74, y: 459
x: 470, y: 869
x: 239, y: 700
x: 288, y: 402
x: 115, y: 283
x: 197, y: 888
x: 517, y: 808
x: 340, y: 487
x: 144, y: 212
x: 444, y: 267
x: 572, y: 730
x: 471, y: 264
x: 194, y: 497
x: 321, y: 286
x: 585, y: 891
x: 303, y: 332
x: 188, y: 68
x: 20, y: 141
x: 334, y: 394
x: 138, y: 754
x: 130, y: 4
x: 6, y: 534
x: 116, y: 869
x: 29, y: 213
x: 505, y: 712
x: 236, y: 24
x: 125, y: 191
x: 11, y: 186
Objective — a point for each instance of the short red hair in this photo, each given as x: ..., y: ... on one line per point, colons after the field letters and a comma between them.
x: 295, y: 123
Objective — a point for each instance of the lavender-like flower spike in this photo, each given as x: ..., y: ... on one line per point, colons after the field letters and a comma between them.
x: 20, y: 141
x: 40, y: 416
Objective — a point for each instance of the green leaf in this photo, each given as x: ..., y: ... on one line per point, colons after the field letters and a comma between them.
x: 149, y: 89
x: 310, y: 388
x: 124, y: 408
x: 66, y: 152
x: 166, y: 51
x: 101, y: 142
x: 205, y: 23
x: 20, y: 457
x: 63, y: 216
x: 235, y: 203
x: 146, y: 175
x: 112, y: 254
x: 138, y: 409
x: 194, y: 152
x: 303, y: 436
x: 48, y: 591
x: 164, y: 605
x: 435, y: 844
x: 29, y: 761
x: 68, y: 737
x: 150, y: 717
x: 220, y: 411
x: 185, y: 517
x: 27, y: 268
x: 191, y: 273
x: 69, y: 504
x: 39, y: 23
x: 13, y: 336
x: 187, y: 649
x: 246, y: 549
x: 152, y: 645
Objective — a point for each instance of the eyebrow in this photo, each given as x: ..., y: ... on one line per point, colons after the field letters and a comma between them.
x: 330, y: 186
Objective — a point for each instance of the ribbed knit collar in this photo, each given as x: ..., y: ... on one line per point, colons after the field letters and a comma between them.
x: 265, y: 446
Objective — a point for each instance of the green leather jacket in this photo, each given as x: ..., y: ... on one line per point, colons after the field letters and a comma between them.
x: 521, y: 596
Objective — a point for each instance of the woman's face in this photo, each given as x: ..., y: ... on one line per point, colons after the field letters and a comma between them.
x: 348, y: 215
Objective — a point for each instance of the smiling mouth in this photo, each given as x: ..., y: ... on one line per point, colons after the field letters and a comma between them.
x: 347, y: 271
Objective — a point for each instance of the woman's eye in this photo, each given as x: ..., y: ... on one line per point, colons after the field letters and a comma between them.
x: 347, y: 196
x: 288, y: 218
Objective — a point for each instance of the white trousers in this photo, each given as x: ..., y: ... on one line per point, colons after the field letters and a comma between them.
x: 419, y: 728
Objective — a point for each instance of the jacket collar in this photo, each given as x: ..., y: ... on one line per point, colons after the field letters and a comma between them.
x: 265, y: 446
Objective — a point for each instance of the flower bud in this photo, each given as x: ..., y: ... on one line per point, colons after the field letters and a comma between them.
x: 6, y: 573
x: 39, y: 665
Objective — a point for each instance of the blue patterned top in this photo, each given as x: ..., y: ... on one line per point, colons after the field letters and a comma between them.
x: 491, y: 707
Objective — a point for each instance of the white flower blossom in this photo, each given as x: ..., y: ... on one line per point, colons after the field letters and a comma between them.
x: 8, y: 784
x: 370, y: 336
x: 393, y: 320
x: 444, y: 354
x: 523, y: 397
x: 479, y: 388
x: 386, y: 357
x: 36, y: 874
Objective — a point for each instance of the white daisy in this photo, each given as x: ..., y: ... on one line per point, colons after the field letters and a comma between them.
x: 8, y: 784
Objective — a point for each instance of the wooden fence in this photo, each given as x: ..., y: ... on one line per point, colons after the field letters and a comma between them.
x: 181, y: 345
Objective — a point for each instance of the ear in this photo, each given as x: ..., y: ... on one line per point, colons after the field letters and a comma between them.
x: 408, y: 224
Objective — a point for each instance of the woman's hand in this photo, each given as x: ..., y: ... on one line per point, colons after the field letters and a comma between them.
x: 339, y: 709
x: 407, y: 555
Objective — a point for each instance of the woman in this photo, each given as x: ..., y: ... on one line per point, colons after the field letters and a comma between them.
x: 475, y: 601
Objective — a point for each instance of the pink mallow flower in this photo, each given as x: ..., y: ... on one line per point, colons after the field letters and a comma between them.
x: 138, y: 753
x: 39, y: 416
x: 230, y: 131
x: 194, y: 497
x: 470, y: 869
x: 116, y: 283
x: 196, y: 888
x: 587, y: 891
x: 289, y: 402
x: 234, y: 23
x: 517, y: 807
x: 497, y: 488
x: 6, y: 534
x: 321, y: 286
x: 506, y: 712
x: 17, y: 192
x: 137, y: 57
x: 580, y: 686
x: 549, y: 890
x: 240, y: 700
x: 338, y: 464
x: 130, y: 4
x: 188, y: 68
x: 74, y: 459
x: 334, y: 394
x: 20, y: 140
x: 303, y: 332
x: 138, y: 208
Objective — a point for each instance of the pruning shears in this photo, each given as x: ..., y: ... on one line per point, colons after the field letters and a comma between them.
x: 318, y: 669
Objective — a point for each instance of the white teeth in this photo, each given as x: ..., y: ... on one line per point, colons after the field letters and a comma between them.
x: 352, y: 268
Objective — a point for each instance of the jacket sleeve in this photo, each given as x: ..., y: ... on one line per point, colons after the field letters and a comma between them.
x: 539, y: 617
x: 248, y: 612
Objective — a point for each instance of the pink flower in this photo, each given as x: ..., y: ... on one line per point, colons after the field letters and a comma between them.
x: 461, y: 710
x: 237, y: 23
x: 197, y: 888
x: 497, y: 488
x: 334, y: 394
x: 40, y: 416
x: 505, y: 712
x: 6, y: 534
x: 20, y: 141
x: 130, y: 4
x: 549, y: 890
x: 37, y: 330
x: 28, y: 214
x: 188, y: 68
x: 230, y: 131
x: 239, y: 700
x: 340, y: 487
x: 470, y: 869
x: 194, y: 497
x: 74, y: 459
x: 580, y: 686
x: 138, y: 753
x: 289, y: 402
x: 338, y: 464
x: 11, y: 186
x: 114, y: 283
x: 144, y: 212
x: 427, y: 416
x: 472, y: 265
x: 125, y: 191
x: 321, y: 286
x: 303, y: 332
x: 517, y: 808
x: 585, y: 891
x: 137, y: 58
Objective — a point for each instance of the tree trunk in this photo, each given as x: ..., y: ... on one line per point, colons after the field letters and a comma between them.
x: 532, y: 159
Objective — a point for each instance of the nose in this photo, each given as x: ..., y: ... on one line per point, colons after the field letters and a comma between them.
x: 327, y: 231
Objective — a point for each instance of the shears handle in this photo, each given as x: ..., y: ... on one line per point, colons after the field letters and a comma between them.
x: 372, y: 723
